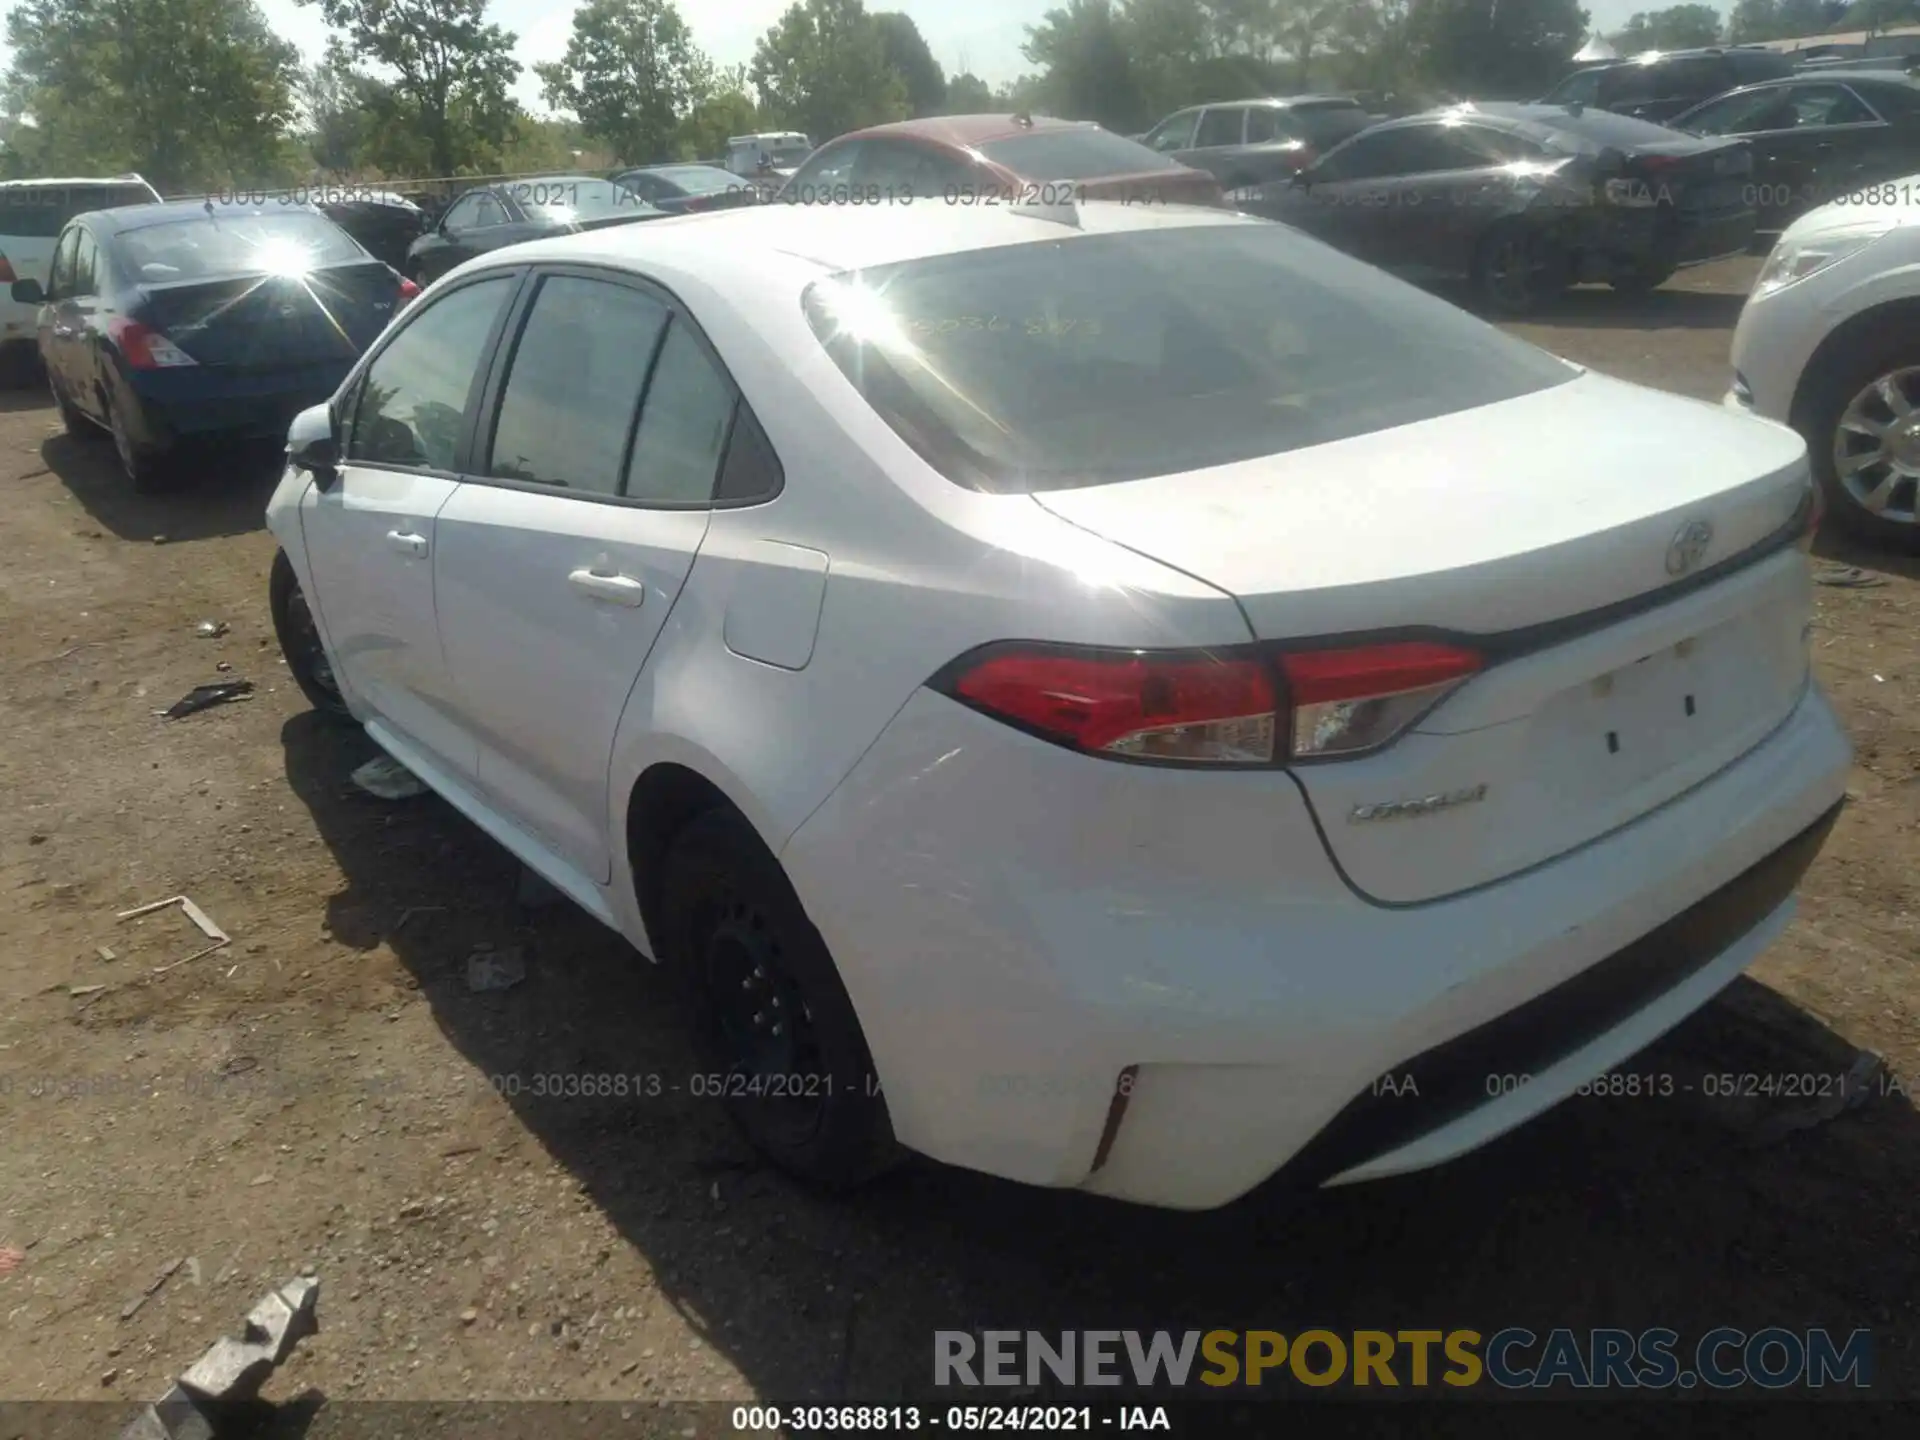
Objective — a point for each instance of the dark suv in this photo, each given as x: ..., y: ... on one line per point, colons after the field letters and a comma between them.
x: 1661, y: 84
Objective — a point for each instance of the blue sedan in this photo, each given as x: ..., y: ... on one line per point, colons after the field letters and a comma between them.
x: 193, y: 319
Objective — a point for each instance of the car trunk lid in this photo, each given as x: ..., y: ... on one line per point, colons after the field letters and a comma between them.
x: 274, y: 321
x: 1705, y: 175
x: 1615, y: 677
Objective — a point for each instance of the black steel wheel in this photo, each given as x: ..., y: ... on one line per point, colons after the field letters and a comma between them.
x: 300, y: 642
x: 778, y: 1039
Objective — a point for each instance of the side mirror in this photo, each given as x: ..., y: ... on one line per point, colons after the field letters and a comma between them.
x: 28, y: 292
x: 313, y: 445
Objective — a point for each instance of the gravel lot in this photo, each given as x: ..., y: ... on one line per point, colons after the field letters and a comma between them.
x: 316, y: 1097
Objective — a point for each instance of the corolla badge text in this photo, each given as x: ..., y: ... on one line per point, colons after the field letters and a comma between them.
x: 1424, y: 805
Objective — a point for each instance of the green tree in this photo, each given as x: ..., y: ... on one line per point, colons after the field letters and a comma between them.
x: 452, y: 72
x: 1496, y: 49
x: 631, y: 73
x: 1678, y: 27
x: 907, y: 52
x: 1875, y: 15
x: 1301, y: 29
x: 1089, y: 65
x: 1028, y: 93
x: 194, y: 94
x: 726, y: 109
x: 968, y: 94
x: 1167, y: 41
x: 823, y: 69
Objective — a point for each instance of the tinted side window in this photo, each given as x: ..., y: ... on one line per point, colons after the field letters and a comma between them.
x: 60, y: 273
x: 576, y: 378
x: 464, y: 212
x: 86, y: 264
x: 1222, y: 125
x: 683, y: 425
x: 1266, y: 124
x: 906, y: 168
x: 1828, y: 105
x: 1626, y: 85
x: 1742, y: 114
x: 1174, y: 133
x: 1581, y: 88
x: 1693, y: 78
x: 414, y: 397
x: 830, y: 168
x: 1387, y: 153
x: 751, y: 470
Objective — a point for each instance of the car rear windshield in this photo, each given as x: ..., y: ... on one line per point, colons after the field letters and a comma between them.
x: 697, y: 179
x: 1074, y: 155
x: 207, y: 247
x: 35, y: 212
x: 1601, y: 127
x: 1091, y: 359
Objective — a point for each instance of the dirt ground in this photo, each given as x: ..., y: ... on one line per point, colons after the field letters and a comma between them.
x: 317, y: 1096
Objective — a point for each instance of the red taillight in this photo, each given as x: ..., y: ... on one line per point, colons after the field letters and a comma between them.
x: 145, y: 348
x: 1196, y: 708
x: 408, y: 290
x: 1345, y: 702
x: 1184, y: 707
x: 1658, y: 162
x: 7, y: 277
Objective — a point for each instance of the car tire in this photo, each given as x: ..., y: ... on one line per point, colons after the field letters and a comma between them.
x: 300, y: 643
x: 776, y: 1033
x: 146, y: 469
x: 1641, y: 282
x: 1846, y: 388
x: 1516, y: 268
x: 77, y: 425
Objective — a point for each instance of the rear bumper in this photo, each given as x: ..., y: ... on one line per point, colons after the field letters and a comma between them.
x: 1018, y: 926
x: 194, y: 402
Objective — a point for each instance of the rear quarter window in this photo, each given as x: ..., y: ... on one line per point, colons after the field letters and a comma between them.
x: 1103, y: 358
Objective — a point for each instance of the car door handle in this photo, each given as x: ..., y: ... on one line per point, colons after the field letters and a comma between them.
x: 407, y: 543
x: 616, y: 589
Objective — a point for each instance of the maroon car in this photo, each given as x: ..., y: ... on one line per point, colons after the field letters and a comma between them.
x: 994, y: 159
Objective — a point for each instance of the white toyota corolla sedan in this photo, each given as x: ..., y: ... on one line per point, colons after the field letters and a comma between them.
x: 1116, y: 697
x: 1829, y: 341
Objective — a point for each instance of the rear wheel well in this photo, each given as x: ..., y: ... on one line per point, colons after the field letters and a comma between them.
x: 1843, y: 339
x: 665, y: 800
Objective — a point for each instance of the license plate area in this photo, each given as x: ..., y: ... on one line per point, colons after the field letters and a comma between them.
x: 1644, y: 716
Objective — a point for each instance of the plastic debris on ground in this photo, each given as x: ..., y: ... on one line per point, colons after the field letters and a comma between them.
x: 387, y: 779
x: 495, y: 970
x: 205, y: 697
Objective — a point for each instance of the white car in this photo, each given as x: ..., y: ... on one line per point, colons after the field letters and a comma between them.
x: 32, y: 215
x: 1117, y: 697
x: 1829, y: 342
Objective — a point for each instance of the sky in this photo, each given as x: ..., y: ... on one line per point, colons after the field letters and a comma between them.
x: 983, y: 36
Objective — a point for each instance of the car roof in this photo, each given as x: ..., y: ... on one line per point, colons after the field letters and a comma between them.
x: 122, y: 218
x: 1279, y: 102
x: 1869, y: 79
x: 104, y: 181
x: 726, y: 249
x: 966, y: 130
